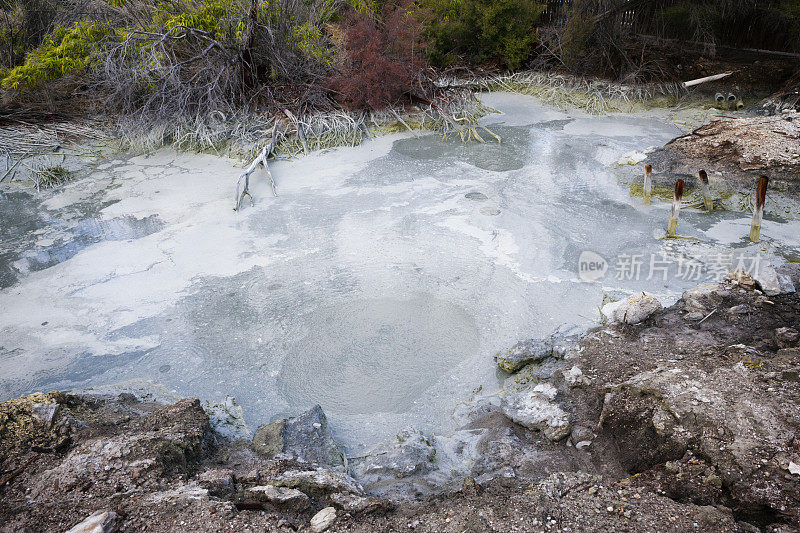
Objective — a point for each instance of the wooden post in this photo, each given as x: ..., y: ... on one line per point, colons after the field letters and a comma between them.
x: 672, y: 226
x: 648, y: 183
x: 706, y: 191
x: 758, y: 212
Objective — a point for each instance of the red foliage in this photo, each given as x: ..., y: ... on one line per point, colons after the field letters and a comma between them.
x: 384, y: 58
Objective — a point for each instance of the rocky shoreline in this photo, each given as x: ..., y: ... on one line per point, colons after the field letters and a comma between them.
x: 680, y: 419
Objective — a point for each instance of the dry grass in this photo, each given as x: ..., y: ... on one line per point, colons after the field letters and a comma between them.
x: 591, y: 95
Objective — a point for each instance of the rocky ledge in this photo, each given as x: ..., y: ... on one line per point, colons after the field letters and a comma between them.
x: 678, y: 419
x: 739, y: 149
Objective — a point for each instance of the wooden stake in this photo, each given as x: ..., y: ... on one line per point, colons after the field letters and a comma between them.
x: 758, y: 212
x: 672, y: 226
x: 706, y: 191
x: 648, y: 183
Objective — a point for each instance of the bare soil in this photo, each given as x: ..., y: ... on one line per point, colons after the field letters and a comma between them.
x: 696, y: 424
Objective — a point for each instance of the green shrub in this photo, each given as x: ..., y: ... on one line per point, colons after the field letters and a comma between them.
x: 12, y: 46
x: 65, y: 51
x: 676, y: 20
x: 481, y: 30
x: 577, y: 40
x: 221, y: 18
x: 310, y: 39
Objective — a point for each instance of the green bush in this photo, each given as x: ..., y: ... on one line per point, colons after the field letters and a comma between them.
x: 577, y: 40
x: 221, y: 18
x: 65, y: 51
x: 481, y: 30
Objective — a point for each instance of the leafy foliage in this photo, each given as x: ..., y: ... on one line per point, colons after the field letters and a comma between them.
x: 383, y: 58
x: 772, y: 23
x: 220, y: 18
x: 481, y: 30
x: 65, y: 51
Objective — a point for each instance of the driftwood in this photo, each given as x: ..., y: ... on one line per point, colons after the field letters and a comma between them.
x: 715, y: 77
x: 260, y: 160
x: 321, y: 127
x: 465, y: 132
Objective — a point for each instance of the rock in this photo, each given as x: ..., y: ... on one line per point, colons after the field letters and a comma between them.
x: 546, y: 390
x: 740, y: 278
x: 790, y: 375
x: 227, y: 418
x: 632, y: 310
x: 574, y: 377
x: 771, y: 282
x: 279, y: 496
x: 45, y: 412
x: 218, y: 482
x: 704, y: 298
x: 790, y: 271
x: 98, y: 522
x: 786, y: 337
x: 355, y: 504
x: 181, y: 495
x: 535, y: 411
x: 306, y: 437
x: 170, y: 440
x: 268, y: 439
x: 723, y: 415
x: 794, y: 469
x: 409, y: 453
x: 534, y: 350
x: 320, y: 481
x: 323, y: 520
x: 581, y: 434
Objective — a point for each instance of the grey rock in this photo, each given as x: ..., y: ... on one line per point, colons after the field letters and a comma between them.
x: 306, y: 437
x: 227, y: 418
x: 98, y: 522
x: 354, y: 504
x: 535, y: 411
x: 218, y: 481
x: 45, y: 412
x: 581, y: 434
x: 280, y: 497
x: 323, y: 520
x: 409, y: 453
x: 771, y: 282
x: 786, y: 337
x: 703, y: 298
x: 574, y: 377
x: 320, y: 481
x: 723, y: 415
x: 170, y: 440
x: 631, y: 310
x: 535, y: 350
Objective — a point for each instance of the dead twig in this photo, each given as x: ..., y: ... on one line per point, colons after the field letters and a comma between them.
x: 14, y: 473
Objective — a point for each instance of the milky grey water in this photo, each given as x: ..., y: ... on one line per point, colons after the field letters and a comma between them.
x: 379, y: 283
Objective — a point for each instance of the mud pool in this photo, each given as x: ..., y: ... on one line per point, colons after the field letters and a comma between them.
x: 379, y: 283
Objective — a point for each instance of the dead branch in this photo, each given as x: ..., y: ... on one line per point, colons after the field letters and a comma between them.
x: 261, y: 159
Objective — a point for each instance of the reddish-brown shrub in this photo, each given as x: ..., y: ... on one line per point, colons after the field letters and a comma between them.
x: 383, y: 58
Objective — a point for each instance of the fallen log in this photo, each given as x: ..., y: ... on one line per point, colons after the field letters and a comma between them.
x: 698, y: 81
x: 261, y: 159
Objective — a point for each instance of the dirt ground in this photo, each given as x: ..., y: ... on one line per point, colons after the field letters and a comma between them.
x: 694, y: 425
x: 739, y: 149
